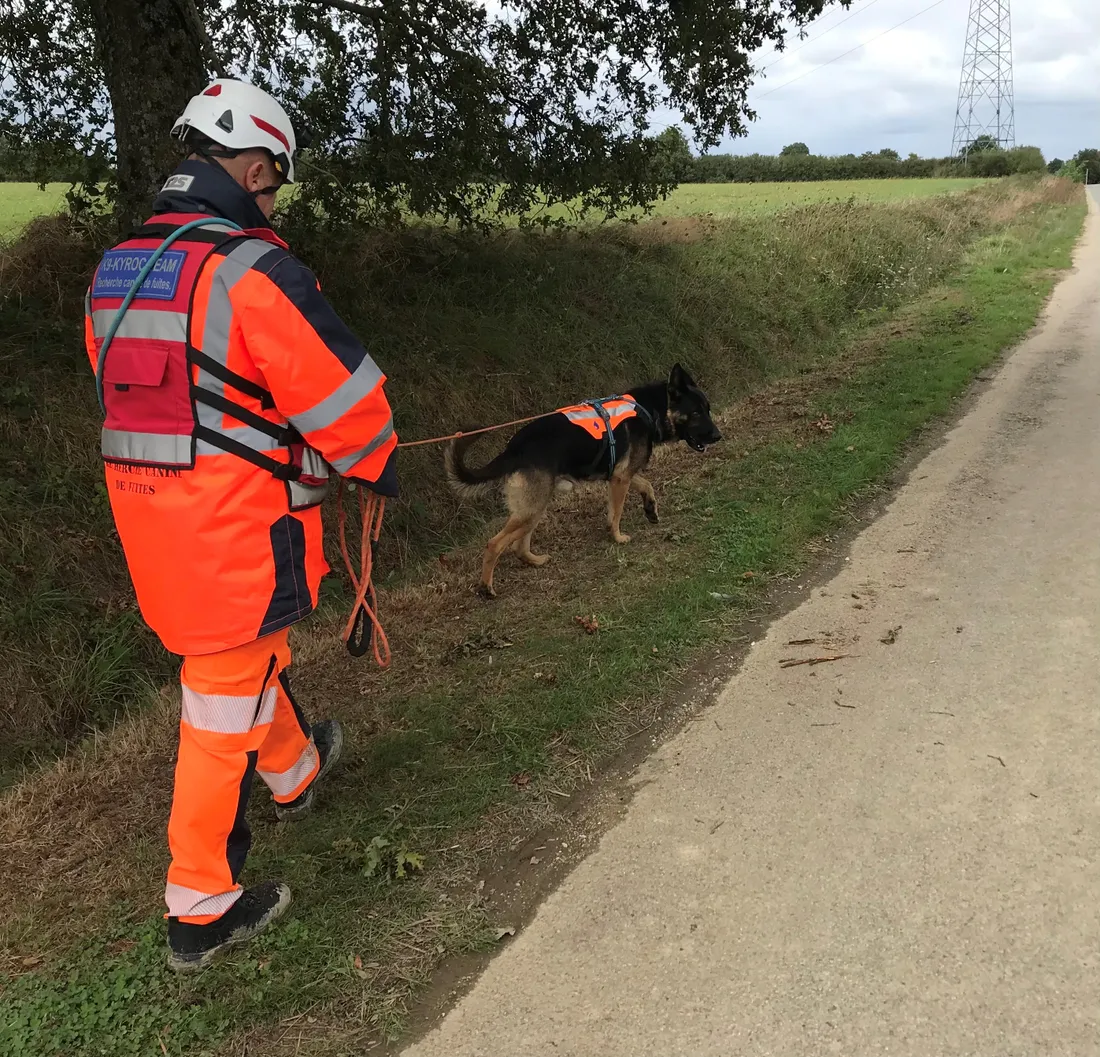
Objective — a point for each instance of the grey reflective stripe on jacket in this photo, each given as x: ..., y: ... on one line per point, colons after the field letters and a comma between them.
x: 169, y: 449
x: 345, y: 465
x: 360, y: 384
x: 142, y: 323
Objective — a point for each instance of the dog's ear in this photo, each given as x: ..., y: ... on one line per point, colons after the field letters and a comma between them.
x: 679, y: 381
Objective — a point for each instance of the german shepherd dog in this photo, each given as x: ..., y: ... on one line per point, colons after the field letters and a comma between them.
x: 553, y: 454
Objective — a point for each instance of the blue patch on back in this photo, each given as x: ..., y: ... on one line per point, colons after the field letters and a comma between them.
x: 119, y: 268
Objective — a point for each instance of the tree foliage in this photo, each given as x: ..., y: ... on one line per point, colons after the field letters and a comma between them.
x: 1087, y: 164
x: 794, y: 149
x: 448, y: 108
x: 982, y: 145
x: 673, y: 160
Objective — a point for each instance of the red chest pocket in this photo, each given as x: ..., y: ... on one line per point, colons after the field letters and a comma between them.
x: 146, y: 387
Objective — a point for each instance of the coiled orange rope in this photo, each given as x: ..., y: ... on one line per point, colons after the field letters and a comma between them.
x: 364, y: 630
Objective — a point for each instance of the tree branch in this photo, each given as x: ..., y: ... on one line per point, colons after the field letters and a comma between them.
x: 191, y: 14
x: 373, y: 12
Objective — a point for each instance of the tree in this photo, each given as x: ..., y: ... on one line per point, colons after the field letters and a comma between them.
x: 1055, y: 166
x: 426, y: 107
x: 1026, y: 160
x: 673, y: 160
x: 1089, y: 162
x: 982, y: 145
x: 794, y: 148
x: 889, y: 153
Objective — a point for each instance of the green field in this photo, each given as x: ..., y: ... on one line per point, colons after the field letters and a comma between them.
x: 726, y: 199
x: 20, y: 202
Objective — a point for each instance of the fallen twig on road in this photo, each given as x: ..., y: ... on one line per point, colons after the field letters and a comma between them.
x: 794, y: 662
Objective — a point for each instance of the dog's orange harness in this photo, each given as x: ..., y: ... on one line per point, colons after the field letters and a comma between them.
x: 599, y: 417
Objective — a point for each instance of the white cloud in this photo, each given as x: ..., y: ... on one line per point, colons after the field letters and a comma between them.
x: 901, y: 90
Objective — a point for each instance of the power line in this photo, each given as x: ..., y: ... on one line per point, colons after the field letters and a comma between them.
x: 836, y: 25
x: 774, y: 53
x: 850, y: 51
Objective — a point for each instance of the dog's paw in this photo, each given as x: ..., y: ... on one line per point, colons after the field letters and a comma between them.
x: 651, y: 514
x: 486, y: 591
x: 620, y: 537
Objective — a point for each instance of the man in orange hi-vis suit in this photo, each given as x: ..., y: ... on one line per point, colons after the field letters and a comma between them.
x: 230, y: 389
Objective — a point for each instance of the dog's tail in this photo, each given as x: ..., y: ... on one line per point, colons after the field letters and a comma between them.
x: 466, y: 480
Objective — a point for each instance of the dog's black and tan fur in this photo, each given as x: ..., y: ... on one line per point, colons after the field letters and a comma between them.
x: 552, y: 454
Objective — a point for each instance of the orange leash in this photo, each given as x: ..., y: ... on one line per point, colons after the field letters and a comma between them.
x: 364, y: 630
x: 474, y: 432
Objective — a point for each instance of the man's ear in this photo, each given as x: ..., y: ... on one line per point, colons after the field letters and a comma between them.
x: 256, y: 176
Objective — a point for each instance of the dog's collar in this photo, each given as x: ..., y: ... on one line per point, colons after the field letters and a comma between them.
x: 656, y: 425
x: 662, y: 428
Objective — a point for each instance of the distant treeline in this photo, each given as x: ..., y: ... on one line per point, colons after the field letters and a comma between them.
x: 673, y: 158
x: 795, y: 163
x: 793, y: 167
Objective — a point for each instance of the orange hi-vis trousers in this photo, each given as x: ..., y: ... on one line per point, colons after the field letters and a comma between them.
x: 239, y: 719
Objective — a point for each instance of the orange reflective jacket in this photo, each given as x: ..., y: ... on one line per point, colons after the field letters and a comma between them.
x: 230, y: 388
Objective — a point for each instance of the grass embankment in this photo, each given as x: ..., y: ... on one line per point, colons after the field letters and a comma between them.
x: 832, y: 334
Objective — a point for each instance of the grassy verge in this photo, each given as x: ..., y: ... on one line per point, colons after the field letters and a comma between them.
x: 492, y: 711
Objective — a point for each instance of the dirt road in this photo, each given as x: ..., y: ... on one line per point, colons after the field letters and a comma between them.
x: 893, y: 853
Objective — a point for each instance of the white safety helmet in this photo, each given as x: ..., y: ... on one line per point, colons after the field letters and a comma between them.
x: 237, y: 116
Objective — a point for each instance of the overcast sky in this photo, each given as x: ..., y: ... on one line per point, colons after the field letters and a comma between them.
x: 901, y: 91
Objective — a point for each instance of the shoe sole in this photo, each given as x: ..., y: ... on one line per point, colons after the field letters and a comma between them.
x: 189, y: 965
x: 306, y: 807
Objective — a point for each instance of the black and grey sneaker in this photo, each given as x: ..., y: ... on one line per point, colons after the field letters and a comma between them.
x: 192, y: 947
x: 328, y: 736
